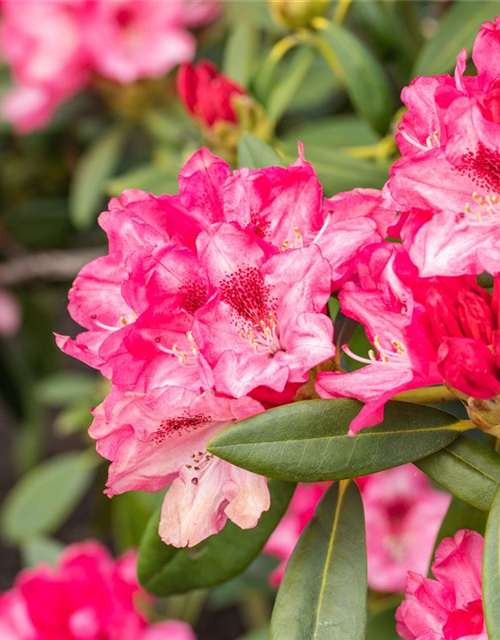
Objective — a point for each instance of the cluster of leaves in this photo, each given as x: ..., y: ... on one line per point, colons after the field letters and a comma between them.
x: 335, y: 89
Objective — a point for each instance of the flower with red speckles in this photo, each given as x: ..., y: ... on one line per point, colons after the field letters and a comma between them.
x: 158, y: 439
x: 87, y: 596
x: 424, y: 330
x: 447, y: 185
x: 450, y: 607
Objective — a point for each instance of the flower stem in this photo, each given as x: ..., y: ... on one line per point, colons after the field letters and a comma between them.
x: 341, y: 11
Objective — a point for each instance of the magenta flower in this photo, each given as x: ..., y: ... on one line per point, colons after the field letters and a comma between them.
x: 424, y: 331
x: 450, y: 607
x: 447, y: 184
x: 88, y: 596
x: 55, y: 48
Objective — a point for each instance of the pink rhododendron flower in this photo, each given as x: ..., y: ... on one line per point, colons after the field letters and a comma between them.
x: 209, y: 303
x: 56, y: 48
x: 88, y: 596
x: 158, y: 439
x: 425, y: 331
x: 450, y: 607
x: 447, y: 184
x: 207, y: 94
x: 403, y: 514
x: 10, y: 314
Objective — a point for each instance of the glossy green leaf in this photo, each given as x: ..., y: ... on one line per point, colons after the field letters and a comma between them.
x: 130, y: 514
x: 468, y: 469
x: 41, y: 550
x: 491, y: 571
x: 323, y: 593
x: 45, y: 496
x: 309, y: 442
x: 164, y: 570
x: 457, y: 29
x: 254, y: 153
x: 361, y: 74
x: 152, y: 178
x: 94, y: 169
x: 240, y: 53
x: 284, y: 91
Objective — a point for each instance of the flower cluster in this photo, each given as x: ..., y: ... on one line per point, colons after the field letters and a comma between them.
x: 403, y: 514
x: 210, y: 307
x: 88, y: 596
x: 419, y: 301
x: 55, y: 49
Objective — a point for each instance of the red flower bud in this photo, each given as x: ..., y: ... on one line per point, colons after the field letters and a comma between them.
x: 206, y: 93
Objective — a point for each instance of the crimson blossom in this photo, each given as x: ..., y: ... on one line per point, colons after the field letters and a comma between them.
x: 209, y: 308
x: 425, y: 331
x: 88, y: 596
x: 450, y: 607
x: 403, y: 514
x: 447, y: 184
x: 55, y: 48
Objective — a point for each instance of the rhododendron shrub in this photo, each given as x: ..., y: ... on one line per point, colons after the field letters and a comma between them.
x: 88, y: 595
x: 55, y: 49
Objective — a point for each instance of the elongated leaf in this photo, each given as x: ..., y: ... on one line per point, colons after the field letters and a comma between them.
x: 491, y: 571
x: 254, y: 153
x: 45, y: 496
x: 149, y: 177
x: 361, y: 74
x: 164, y: 570
x: 95, y: 168
x: 308, y: 441
x: 382, y: 625
x: 288, y: 86
x: 240, y: 52
x: 335, y: 131
x: 467, y: 469
x: 457, y: 29
x: 130, y: 514
x: 323, y: 592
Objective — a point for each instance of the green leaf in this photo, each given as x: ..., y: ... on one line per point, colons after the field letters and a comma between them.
x: 287, y: 87
x: 382, y: 625
x: 457, y: 29
x: 468, y: 469
x: 361, y: 74
x: 152, y: 178
x: 240, y: 53
x: 41, y: 550
x: 130, y: 513
x: 94, y: 169
x: 260, y: 634
x: 491, y: 571
x: 164, y: 570
x: 64, y: 388
x: 254, y: 153
x: 334, y: 131
x: 45, y: 496
x: 309, y: 442
x: 323, y: 592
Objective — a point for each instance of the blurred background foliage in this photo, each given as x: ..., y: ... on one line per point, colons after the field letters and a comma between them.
x: 332, y: 83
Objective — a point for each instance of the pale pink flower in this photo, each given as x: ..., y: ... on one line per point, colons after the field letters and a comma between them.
x: 88, y: 596
x: 158, y: 439
x: 403, y: 514
x: 450, y: 607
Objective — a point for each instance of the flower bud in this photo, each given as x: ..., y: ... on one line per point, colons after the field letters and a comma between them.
x: 485, y: 414
x: 296, y: 14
